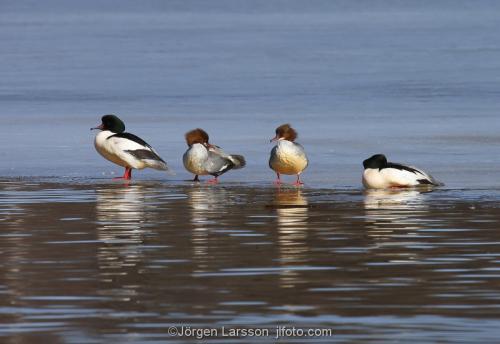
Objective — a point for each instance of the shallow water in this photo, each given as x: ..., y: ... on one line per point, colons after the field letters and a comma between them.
x: 84, y: 259
x: 94, y: 261
x: 416, y: 81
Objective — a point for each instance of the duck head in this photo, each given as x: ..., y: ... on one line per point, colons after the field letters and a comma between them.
x: 111, y: 123
x: 377, y: 161
x: 197, y: 136
x: 285, y: 132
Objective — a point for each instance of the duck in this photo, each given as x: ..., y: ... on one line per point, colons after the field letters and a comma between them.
x: 381, y: 174
x: 125, y: 149
x: 203, y: 158
x: 287, y: 157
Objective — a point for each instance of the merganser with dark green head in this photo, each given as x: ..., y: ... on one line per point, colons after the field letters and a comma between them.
x: 125, y: 149
x: 381, y: 174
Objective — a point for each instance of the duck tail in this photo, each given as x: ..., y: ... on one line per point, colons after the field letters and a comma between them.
x: 161, y: 166
x: 238, y: 161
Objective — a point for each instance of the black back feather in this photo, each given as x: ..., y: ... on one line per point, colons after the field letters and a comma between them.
x: 131, y: 137
x: 144, y: 154
x: 402, y: 167
x: 138, y: 152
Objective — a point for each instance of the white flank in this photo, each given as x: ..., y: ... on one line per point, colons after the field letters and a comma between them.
x: 115, y: 150
x: 373, y: 178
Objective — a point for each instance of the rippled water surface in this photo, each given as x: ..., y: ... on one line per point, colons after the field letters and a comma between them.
x: 417, y: 81
x: 87, y: 260
x: 93, y: 261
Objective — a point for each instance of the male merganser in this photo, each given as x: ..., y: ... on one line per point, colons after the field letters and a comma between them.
x: 125, y: 149
x: 380, y: 174
x: 203, y: 158
x: 287, y: 157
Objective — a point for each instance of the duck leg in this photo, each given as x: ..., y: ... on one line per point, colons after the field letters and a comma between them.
x: 214, y: 180
x: 196, y: 179
x: 127, y: 175
x: 298, y: 182
x: 278, y: 179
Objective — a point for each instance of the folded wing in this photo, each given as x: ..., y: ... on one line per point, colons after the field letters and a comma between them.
x: 136, y: 152
x: 220, y: 162
x: 408, y: 175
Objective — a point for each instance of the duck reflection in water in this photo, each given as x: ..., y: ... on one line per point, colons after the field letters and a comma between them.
x: 207, y: 207
x: 122, y: 215
x: 404, y: 199
x: 292, y: 209
x: 394, y: 218
x: 17, y: 250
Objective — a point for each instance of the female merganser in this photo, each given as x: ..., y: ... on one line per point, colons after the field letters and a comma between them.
x: 125, y: 149
x: 287, y: 157
x: 380, y: 174
x: 203, y: 158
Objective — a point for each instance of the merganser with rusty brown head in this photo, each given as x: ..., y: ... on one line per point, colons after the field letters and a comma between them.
x: 287, y: 157
x: 125, y: 149
x: 203, y: 158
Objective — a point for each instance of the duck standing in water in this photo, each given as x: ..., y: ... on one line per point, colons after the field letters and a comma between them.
x: 203, y: 158
x: 287, y: 157
x: 125, y: 149
x: 380, y: 174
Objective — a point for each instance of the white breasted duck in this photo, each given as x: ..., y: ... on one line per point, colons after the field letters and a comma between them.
x: 380, y: 174
x: 287, y: 157
x: 125, y: 149
x: 203, y: 158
